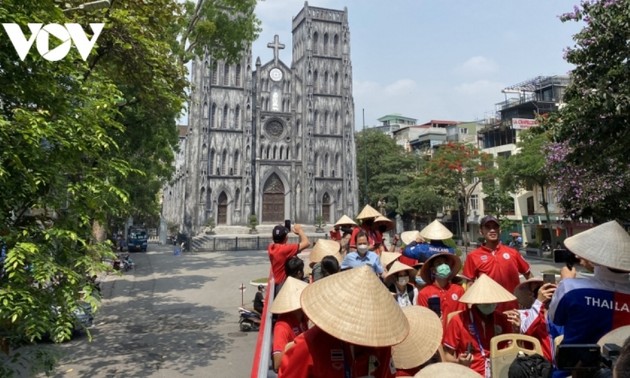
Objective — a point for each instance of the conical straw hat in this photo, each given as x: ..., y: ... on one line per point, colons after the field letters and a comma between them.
x: 345, y: 220
x: 486, y: 290
x: 288, y: 299
x: 617, y: 336
x: 386, y: 221
x: 354, y: 306
x: 397, y: 266
x: 453, y: 261
x: 409, y: 236
x: 389, y: 257
x: 607, y: 244
x: 446, y: 370
x: 325, y: 247
x: 368, y: 212
x: 425, y: 336
x: 436, y: 231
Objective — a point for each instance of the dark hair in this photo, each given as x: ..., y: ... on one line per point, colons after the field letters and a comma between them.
x: 293, y: 267
x: 329, y: 265
x: 622, y: 366
x: 361, y: 234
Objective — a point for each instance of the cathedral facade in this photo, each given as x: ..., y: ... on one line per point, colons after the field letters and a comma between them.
x: 271, y: 140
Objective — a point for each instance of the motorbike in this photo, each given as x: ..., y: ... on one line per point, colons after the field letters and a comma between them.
x: 249, y: 320
x: 123, y: 262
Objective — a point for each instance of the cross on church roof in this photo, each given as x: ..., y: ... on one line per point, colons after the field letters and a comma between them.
x: 275, y: 45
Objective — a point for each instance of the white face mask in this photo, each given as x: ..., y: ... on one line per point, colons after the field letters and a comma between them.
x: 362, y: 249
x: 403, y: 280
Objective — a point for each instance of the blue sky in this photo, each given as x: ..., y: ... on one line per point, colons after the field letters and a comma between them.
x: 436, y: 59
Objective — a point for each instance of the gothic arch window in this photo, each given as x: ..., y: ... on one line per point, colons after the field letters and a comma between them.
x: 315, y: 120
x: 226, y: 111
x: 298, y: 127
x: 298, y: 151
x: 213, y: 116
x: 211, y: 161
x: 325, y: 49
x: 237, y: 162
x: 336, y: 83
x: 237, y: 199
x: 226, y: 74
x: 315, y: 42
x: 326, y: 164
x: 335, y: 125
x: 275, y: 149
x: 337, y: 166
x: 202, y: 194
x: 316, y: 163
x: 247, y: 153
x: 325, y: 83
x: 215, y: 73
x: 288, y: 153
x: 238, y: 75
x: 224, y: 158
x: 336, y: 45
x: 325, y: 123
x: 268, y: 149
x: 315, y: 79
x: 204, y: 112
x: 262, y: 151
x: 237, y: 117
x: 280, y: 156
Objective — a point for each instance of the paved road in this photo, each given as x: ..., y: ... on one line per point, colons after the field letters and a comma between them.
x: 174, y: 316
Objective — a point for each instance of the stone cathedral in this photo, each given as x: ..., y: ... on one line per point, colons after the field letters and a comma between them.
x: 274, y: 140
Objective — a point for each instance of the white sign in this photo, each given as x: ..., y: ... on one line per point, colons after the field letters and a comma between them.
x: 66, y: 33
x: 523, y: 123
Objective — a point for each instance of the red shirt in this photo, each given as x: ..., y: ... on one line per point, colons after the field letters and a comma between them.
x: 449, y: 298
x: 317, y: 354
x: 279, y: 253
x: 534, y: 323
x: 504, y: 265
x: 286, y: 330
x: 460, y: 331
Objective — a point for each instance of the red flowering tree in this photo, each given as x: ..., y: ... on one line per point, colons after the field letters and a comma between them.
x: 456, y: 169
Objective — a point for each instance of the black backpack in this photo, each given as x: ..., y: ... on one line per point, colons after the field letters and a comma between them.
x: 532, y: 366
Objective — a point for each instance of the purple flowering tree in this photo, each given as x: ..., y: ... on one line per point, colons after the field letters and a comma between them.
x: 589, y: 161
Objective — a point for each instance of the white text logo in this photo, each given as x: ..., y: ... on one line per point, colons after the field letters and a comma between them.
x: 66, y: 33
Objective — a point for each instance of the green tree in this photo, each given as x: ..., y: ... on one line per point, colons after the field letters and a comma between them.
x: 456, y: 169
x: 385, y: 165
x: 592, y: 130
x: 527, y: 169
x: 86, y: 142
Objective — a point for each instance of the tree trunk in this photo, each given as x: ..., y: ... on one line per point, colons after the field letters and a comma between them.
x: 545, y: 205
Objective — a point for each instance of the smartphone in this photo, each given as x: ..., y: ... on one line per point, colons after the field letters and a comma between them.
x: 287, y: 224
x: 549, y: 278
x: 434, y: 305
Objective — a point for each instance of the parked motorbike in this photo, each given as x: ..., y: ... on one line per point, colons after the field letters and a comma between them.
x: 123, y: 262
x: 249, y: 321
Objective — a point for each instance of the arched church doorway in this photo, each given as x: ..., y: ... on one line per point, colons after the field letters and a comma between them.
x: 273, y: 200
x: 222, y: 207
x: 326, y: 208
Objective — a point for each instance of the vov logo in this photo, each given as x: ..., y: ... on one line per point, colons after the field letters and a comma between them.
x: 40, y: 33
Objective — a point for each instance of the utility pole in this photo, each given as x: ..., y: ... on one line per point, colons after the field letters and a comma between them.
x: 365, y: 196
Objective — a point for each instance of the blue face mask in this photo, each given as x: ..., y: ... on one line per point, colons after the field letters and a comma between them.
x: 443, y: 271
x: 420, y: 281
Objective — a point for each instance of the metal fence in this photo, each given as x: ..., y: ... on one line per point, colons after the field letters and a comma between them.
x: 244, y: 243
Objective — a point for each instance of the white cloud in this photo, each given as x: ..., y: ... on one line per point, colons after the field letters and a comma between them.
x: 477, y: 66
